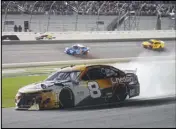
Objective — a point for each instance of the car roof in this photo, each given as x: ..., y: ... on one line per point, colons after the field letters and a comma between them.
x: 154, y: 40
x: 79, y: 45
x: 80, y: 67
x: 74, y: 68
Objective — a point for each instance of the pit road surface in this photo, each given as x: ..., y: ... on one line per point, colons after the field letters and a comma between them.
x: 55, y: 52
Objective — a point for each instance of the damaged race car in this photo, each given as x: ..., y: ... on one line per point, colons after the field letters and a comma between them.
x: 77, y: 49
x: 45, y: 37
x: 80, y: 85
x: 154, y: 44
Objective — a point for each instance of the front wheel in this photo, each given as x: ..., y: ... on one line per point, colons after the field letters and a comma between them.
x: 37, y: 38
x: 150, y: 47
x: 161, y: 49
x: 66, y: 99
x: 144, y: 46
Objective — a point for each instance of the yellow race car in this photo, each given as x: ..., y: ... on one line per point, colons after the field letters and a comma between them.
x: 45, y: 37
x: 154, y: 44
x: 79, y: 86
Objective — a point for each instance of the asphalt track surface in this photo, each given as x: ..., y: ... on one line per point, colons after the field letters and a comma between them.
x: 153, y: 113
x: 133, y: 113
x: 55, y: 52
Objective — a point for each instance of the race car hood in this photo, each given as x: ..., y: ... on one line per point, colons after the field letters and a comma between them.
x: 67, y: 49
x: 34, y: 87
x: 145, y: 43
x: 41, y: 86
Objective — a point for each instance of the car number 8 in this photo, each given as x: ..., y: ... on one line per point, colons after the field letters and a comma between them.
x: 94, y: 89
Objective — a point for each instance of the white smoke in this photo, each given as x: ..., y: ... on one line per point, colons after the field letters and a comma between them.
x: 157, y: 78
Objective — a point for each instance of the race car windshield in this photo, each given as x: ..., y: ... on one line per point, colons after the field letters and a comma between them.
x: 78, y: 46
x: 75, y: 47
x: 150, y: 41
x: 73, y: 75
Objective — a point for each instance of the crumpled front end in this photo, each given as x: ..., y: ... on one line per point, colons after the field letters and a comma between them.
x: 146, y: 44
x: 66, y: 49
x: 36, y: 100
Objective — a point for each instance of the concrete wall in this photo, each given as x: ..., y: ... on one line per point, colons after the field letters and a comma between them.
x: 72, y: 35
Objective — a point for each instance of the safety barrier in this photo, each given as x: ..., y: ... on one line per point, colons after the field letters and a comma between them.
x: 83, y: 41
x: 89, y: 32
x: 74, y: 35
x: 78, y: 62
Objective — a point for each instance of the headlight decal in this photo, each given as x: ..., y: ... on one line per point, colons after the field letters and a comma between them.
x: 18, y: 96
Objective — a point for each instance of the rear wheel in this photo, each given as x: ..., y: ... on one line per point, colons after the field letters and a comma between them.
x: 74, y: 53
x: 120, y: 94
x: 66, y: 98
x: 122, y: 97
x: 85, y: 53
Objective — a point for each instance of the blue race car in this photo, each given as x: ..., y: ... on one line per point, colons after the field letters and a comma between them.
x: 77, y: 49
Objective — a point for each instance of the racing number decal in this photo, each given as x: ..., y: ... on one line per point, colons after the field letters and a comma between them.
x: 94, y: 89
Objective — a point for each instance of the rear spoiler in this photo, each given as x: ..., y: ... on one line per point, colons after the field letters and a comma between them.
x: 131, y: 71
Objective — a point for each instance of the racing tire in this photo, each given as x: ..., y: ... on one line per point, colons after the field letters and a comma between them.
x: 85, y: 53
x: 122, y: 97
x: 37, y: 38
x: 144, y: 46
x: 120, y: 94
x: 73, y: 54
x: 150, y: 47
x: 66, y: 99
x: 161, y: 49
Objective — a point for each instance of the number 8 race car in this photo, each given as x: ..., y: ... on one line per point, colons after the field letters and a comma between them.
x: 80, y: 85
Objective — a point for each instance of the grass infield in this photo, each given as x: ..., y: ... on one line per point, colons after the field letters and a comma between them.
x: 11, y: 85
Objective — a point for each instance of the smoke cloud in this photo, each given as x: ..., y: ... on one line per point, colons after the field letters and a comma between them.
x: 156, y: 77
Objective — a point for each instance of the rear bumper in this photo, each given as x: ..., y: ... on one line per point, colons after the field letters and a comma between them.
x: 159, y: 49
x: 133, y: 90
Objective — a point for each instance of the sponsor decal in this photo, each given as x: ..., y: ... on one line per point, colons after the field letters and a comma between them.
x: 80, y: 93
x: 123, y: 80
x: 108, y: 95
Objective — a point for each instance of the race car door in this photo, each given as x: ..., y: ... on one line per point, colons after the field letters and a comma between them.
x: 156, y: 45
x: 99, y: 83
x: 91, y: 85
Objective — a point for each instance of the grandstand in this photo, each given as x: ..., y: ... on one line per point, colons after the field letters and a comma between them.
x: 87, y: 7
x: 85, y: 15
